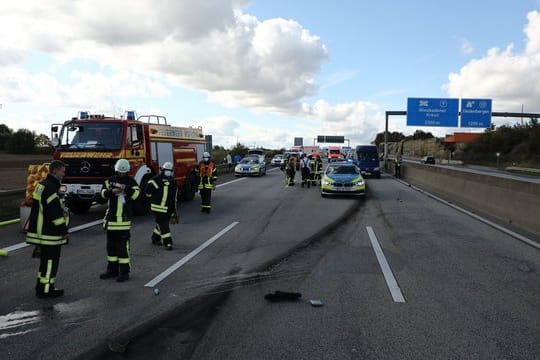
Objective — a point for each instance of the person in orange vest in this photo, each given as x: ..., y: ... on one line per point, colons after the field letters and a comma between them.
x: 47, y: 227
x: 207, y: 173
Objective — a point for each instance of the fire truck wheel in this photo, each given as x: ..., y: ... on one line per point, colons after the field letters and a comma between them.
x: 190, y: 188
x: 79, y: 206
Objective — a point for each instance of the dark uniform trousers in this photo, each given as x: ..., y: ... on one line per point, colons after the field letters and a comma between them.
x: 305, y: 173
x: 118, y: 252
x: 206, y: 199
x: 48, y: 266
x: 162, y: 230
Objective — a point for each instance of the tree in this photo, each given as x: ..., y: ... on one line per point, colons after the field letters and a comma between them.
x: 421, y: 135
x: 239, y: 149
x: 42, y: 141
x: 393, y: 136
x: 21, y: 142
x: 5, y: 134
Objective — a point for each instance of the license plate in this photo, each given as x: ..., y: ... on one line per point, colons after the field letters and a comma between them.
x: 86, y: 191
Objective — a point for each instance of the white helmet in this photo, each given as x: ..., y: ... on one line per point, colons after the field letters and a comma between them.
x: 206, y: 155
x: 122, y: 166
x: 167, y: 166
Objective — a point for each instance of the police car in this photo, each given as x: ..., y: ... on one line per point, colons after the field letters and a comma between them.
x: 342, y: 178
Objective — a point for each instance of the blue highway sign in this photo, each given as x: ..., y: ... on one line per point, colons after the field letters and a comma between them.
x: 432, y: 112
x: 476, y: 113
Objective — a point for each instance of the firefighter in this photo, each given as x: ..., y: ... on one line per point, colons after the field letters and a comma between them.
x: 161, y: 189
x: 316, y: 168
x: 304, y: 168
x: 47, y: 228
x: 120, y: 191
x: 283, y: 167
x: 397, y: 166
x: 207, y: 173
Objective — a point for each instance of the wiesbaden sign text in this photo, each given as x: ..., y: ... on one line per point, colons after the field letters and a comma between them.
x: 432, y: 112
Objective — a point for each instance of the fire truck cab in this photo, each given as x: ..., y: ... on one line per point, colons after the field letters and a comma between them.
x: 90, y: 145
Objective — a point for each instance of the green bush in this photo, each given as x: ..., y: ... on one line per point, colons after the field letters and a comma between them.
x: 21, y: 142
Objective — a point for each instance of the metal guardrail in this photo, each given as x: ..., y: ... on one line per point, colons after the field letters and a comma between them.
x: 9, y: 203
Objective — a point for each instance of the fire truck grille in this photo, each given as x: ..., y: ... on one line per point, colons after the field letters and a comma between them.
x: 89, y: 167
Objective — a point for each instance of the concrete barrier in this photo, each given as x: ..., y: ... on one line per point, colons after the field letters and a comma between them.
x: 510, y: 200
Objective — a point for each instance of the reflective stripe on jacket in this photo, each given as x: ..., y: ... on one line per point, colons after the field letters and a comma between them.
x: 120, y: 211
x: 162, y: 191
x: 207, y: 174
x: 47, y: 224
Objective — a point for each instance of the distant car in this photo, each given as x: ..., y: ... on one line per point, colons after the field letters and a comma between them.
x: 428, y: 160
x: 250, y: 166
x: 342, y: 178
x: 277, y: 160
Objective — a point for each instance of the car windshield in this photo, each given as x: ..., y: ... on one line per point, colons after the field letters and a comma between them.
x: 342, y: 170
x: 91, y: 135
x: 367, y: 156
x: 249, y: 160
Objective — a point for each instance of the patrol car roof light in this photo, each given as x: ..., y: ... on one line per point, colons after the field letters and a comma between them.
x: 83, y: 115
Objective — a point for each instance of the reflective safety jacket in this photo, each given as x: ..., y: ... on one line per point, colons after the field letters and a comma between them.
x: 315, y: 165
x: 47, y: 224
x: 120, y: 211
x: 207, y: 173
x: 162, y: 191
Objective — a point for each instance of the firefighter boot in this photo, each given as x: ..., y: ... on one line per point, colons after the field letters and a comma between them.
x: 51, y: 293
x: 124, y: 273
x: 156, y: 240
x: 54, y: 293
x: 167, y: 244
x: 112, y: 271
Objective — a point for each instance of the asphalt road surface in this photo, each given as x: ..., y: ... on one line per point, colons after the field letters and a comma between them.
x: 400, y: 276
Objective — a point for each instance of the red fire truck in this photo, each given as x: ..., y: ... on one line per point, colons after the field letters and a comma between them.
x: 90, y: 145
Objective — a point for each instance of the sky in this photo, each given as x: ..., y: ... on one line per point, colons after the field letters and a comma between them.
x: 264, y: 72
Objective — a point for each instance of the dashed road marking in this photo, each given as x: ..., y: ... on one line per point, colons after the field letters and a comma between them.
x: 391, y: 282
x: 189, y: 256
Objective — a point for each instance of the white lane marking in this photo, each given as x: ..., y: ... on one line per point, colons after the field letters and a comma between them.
x: 16, y: 247
x: 479, y: 218
x: 70, y: 230
x: 387, y: 271
x: 85, y: 226
x: 230, y: 182
x: 189, y: 256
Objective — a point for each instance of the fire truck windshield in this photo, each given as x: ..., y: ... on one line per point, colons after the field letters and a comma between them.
x: 91, y: 135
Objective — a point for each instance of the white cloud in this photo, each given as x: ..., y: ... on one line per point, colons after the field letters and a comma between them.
x: 86, y: 91
x: 357, y: 121
x: 205, y: 45
x: 511, y: 79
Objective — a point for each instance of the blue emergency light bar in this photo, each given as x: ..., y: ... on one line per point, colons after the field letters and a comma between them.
x: 130, y: 115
